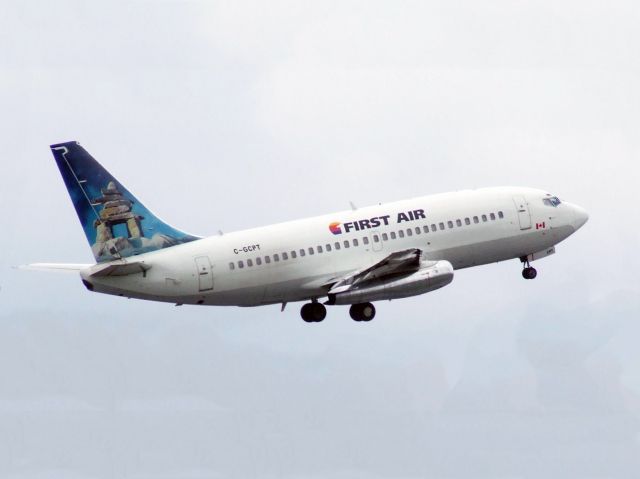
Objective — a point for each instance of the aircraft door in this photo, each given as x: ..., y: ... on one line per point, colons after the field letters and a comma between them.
x: 205, y: 275
x: 524, y: 215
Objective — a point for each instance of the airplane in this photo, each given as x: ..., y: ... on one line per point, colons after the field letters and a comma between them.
x: 353, y: 257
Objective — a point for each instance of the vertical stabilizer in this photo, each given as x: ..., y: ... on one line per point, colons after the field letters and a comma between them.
x: 115, y: 223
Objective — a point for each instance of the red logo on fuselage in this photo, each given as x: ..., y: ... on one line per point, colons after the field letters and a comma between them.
x: 335, y: 228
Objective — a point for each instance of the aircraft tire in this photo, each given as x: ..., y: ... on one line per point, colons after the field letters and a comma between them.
x: 313, y: 312
x: 362, y: 312
x: 529, y: 273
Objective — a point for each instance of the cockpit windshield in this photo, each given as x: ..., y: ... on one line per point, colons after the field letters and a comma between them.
x: 552, y: 201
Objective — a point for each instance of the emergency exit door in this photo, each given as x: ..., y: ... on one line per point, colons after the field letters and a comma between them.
x: 205, y: 275
x: 524, y: 215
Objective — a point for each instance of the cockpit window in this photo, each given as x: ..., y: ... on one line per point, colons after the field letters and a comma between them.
x: 552, y: 201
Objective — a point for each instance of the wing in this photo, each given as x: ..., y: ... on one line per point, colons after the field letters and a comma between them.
x: 400, y: 262
x: 399, y: 275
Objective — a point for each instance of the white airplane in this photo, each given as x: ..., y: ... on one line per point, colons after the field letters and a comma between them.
x: 351, y: 258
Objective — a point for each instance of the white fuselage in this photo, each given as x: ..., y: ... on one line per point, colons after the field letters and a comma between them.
x: 466, y: 228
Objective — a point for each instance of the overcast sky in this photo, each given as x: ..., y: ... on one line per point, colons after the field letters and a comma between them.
x: 229, y: 115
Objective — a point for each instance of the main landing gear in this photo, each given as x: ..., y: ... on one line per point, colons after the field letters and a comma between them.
x: 313, y: 312
x: 362, y: 312
x: 528, y: 272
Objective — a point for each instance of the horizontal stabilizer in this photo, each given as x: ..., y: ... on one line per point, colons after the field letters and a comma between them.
x: 118, y: 269
x: 58, y: 267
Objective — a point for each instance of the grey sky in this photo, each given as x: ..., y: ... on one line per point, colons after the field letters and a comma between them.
x: 228, y: 115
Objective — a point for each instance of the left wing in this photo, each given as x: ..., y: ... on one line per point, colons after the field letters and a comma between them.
x: 399, y: 275
x: 407, y: 261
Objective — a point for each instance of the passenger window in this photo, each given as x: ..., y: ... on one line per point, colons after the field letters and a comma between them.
x: 249, y: 263
x: 475, y: 219
x: 337, y: 245
x: 418, y: 230
x: 267, y: 259
x: 346, y: 243
x: 441, y: 225
x: 376, y: 239
x: 450, y: 224
x: 302, y: 252
x: 319, y: 248
x: 365, y: 240
x: 328, y: 247
x: 409, y: 232
x: 276, y: 258
x: 285, y: 256
x: 355, y: 242
x: 492, y: 216
x: 425, y: 228
x: 458, y: 223
x: 385, y: 237
x: 467, y: 221
x: 294, y: 254
x: 393, y: 235
x: 258, y: 261
x: 232, y: 266
x: 484, y: 217
x: 401, y: 234
x: 310, y: 249
x: 433, y: 228
x: 240, y: 264
x: 500, y: 214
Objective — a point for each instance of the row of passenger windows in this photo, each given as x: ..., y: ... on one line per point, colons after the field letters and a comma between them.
x: 355, y: 242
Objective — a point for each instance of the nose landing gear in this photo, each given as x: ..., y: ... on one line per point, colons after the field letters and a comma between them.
x: 528, y: 272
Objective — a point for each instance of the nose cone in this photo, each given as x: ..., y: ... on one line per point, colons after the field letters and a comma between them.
x: 580, y: 216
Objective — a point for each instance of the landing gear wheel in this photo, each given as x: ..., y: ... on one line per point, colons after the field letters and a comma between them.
x: 362, y: 312
x: 313, y: 312
x: 528, y: 272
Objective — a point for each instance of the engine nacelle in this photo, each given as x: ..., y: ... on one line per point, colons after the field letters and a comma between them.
x: 432, y: 275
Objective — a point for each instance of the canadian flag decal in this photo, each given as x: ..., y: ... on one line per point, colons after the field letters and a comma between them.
x: 540, y: 226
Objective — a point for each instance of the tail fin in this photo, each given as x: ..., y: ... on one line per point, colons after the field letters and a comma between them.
x: 116, y: 224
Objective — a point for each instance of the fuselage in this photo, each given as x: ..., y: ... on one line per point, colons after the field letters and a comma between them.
x: 295, y: 261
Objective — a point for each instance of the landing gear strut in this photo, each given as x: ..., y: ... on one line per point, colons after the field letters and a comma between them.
x: 362, y: 312
x: 313, y: 312
x: 528, y: 271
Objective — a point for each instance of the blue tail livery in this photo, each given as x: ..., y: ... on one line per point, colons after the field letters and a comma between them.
x: 116, y: 224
